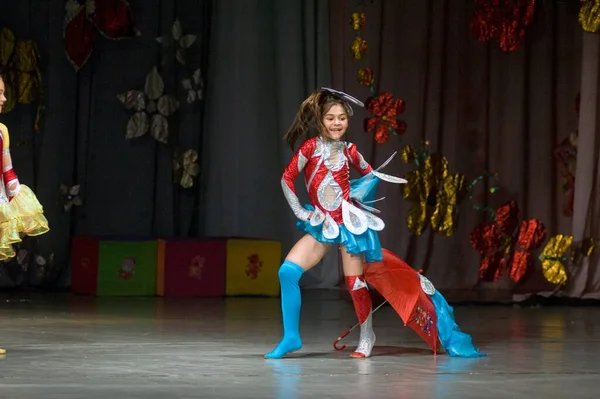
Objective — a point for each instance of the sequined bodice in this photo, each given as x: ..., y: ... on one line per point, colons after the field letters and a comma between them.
x: 327, y: 177
x: 326, y: 167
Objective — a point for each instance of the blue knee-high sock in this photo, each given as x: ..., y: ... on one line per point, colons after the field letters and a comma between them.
x: 289, y: 275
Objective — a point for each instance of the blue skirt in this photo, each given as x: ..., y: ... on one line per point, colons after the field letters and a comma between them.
x: 367, y: 243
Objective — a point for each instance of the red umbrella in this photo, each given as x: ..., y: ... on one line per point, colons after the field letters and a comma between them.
x: 401, y: 286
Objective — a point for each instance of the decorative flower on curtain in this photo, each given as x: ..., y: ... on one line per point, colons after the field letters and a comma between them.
x: 589, y: 15
x: 503, y: 20
x: 561, y: 249
x: 385, y: 108
x: 22, y: 76
x: 552, y: 257
x: 501, y: 248
x: 365, y: 77
x: 434, y: 192
x: 44, y: 264
x: 152, y: 108
x: 70, y: 196
x: 194, y: 86
x: 176, y: 43
x: 186, y: 168
x: 112, y: 18
x: 359, y: 48
x: 358, y: 20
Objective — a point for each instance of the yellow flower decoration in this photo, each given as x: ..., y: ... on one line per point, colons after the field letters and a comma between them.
x: 358, y: 20
x: 359, y: 48
x: 561, y: 248
x: 23, y: 79
x: 434, y: 192
x: 186, y: 168
x: 589, y: 15
x: 552, y: 257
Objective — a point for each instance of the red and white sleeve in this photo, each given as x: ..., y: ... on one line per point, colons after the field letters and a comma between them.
x: 358, y: 161
x: 293, y: 169
x: 11, y: 181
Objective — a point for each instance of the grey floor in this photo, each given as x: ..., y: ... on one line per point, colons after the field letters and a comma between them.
x: 78, y: 347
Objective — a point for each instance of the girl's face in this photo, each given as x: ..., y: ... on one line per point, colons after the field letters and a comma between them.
x: 2, y: 98
x: 335, y: 121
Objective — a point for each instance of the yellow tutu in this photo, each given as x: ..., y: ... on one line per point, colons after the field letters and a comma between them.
x: 24, y: 214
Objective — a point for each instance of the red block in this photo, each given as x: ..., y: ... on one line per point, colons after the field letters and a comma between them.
x: 84, y: 265
x: 191, y: 267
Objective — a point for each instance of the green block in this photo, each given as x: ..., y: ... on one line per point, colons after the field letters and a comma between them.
x: 127, y: 268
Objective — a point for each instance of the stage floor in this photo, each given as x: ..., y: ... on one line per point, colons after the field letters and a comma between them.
x: 77, y: 347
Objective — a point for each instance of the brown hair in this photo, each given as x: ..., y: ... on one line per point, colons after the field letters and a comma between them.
x: 310, y: 115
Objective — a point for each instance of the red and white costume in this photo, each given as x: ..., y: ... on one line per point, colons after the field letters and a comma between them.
x: 327, y: 179
x: 338, y: 218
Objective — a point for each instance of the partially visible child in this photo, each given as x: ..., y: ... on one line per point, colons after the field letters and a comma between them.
x: 20, y: 210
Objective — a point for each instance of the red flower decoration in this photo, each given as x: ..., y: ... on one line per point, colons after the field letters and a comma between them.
x: 503, y: 20
x: 112, y: 18
x: 365, y: 76
x: 501, y: 248
x: 385, y: 108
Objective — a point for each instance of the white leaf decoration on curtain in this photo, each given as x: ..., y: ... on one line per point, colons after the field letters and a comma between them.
x: 167, y: 105
x: 133, y: 100
x: 176, y: 30
x: 187, y: 41
x: 154, y: 85
x: 138, y: 125
x: 194, y: 86
x: 159, y: 128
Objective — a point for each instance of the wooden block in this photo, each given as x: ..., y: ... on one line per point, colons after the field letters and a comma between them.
x: 191, y: 267
x: 84, y: 265
x: 105, y: 266
x: 252, y: 267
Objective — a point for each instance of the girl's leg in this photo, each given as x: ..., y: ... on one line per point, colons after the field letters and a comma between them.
x: 304, y: 255
x: 356, y: 284
x: 2, y: 351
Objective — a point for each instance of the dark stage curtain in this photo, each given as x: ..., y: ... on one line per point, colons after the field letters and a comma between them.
x: 126, y: 185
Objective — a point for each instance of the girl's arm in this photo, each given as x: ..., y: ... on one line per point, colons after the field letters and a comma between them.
x: 293, y: 169
x: 11, y: 182
x: 358, y: 161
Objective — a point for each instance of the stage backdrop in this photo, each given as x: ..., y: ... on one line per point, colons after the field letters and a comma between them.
x: 484, y: 109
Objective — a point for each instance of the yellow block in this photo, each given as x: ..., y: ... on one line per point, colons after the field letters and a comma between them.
x: 252, y: 267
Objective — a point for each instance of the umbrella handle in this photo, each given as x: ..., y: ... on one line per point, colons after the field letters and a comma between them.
x: 341, y: 337
x: 344, y: 335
